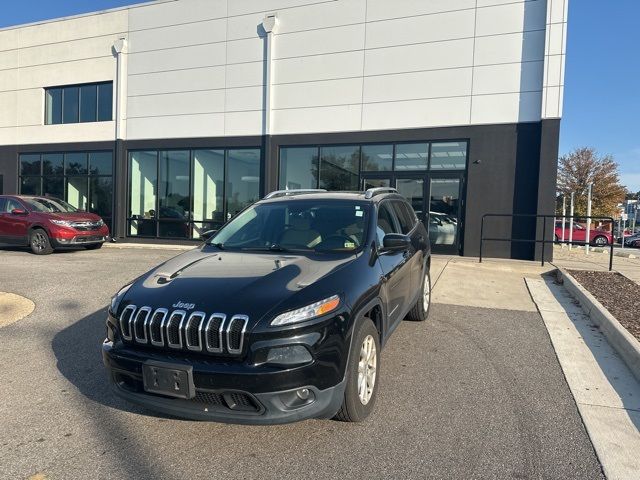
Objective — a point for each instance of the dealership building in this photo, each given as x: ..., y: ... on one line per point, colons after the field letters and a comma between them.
x: 168, y: 117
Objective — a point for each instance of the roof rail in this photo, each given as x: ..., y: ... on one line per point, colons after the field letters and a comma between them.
x: 297, y: 191
x: 372, y: 192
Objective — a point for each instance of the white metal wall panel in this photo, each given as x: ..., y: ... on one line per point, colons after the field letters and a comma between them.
x: 385, y: 9
x: 554, y: 58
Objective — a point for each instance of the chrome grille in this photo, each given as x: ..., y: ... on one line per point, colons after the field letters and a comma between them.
x: 183, y: 331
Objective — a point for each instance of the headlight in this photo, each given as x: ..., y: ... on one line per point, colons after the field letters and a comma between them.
x: 62, y: 223
x: 100, y: 222
x: 307, y: 313
x: 117, y: 298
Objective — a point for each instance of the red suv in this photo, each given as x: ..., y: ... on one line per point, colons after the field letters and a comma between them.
x: 48, y: 223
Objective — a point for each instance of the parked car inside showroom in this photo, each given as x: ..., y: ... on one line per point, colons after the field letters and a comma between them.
x: 280, y: 316
x: 597, y: 236
x: 46, y: 223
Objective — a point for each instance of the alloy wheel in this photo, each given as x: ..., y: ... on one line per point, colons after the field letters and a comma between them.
x: 426, y: 294
x: 38, y: 241
x: 367, y: 369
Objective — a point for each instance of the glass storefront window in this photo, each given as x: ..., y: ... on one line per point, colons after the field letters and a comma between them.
x: 70, y: 105
x: 207, y: 190
x: 340, y: 167
x: 101, y: 195
x: 243, y: 179
x: 173, y: 193
x: 78, y: 192
x: 143, y: 182
x: 53, y: 187
x: 76, y: 163
x: 30, y: 164
x: 377, y: 158
x: 100, y: 163
x: 449, y: 156
x: 411, y: 156
x: 30, y: 186
x: 443, y: 210
x: 298, y: 168
x: 53, y: 164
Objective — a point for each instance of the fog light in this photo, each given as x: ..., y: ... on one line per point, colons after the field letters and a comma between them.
x: 297, y: 398
x: 289, y: 355
x: 303, y: 393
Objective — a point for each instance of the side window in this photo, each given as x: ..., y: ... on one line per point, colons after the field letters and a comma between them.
x: 405, y: 218
x: 10, y: 205
x: 3, y: 204
x: 386, y: 222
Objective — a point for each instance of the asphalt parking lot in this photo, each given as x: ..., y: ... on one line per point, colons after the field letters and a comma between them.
x: 471, y: 393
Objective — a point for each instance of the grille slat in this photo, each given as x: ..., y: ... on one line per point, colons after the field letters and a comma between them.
x: 179, y: 330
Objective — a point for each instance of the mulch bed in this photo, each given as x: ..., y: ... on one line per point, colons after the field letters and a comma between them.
x: 617, y: 294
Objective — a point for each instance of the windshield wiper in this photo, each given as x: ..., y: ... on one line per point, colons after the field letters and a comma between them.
x: 277, y: 248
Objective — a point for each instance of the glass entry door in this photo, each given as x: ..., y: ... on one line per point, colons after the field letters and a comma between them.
x: 444, y: 213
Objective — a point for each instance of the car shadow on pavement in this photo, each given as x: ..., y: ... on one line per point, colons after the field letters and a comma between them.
x: 79, y: 358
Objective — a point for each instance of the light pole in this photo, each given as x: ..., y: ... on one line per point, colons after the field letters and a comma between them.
x: 588, y: 239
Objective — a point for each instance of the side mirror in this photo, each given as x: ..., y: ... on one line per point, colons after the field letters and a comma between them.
x: 394, y: 242
x: 205, y: 236
x: 19, y: 211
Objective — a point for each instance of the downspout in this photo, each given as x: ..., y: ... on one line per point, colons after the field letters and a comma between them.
x: 118, y: 215
x: 269, y: 27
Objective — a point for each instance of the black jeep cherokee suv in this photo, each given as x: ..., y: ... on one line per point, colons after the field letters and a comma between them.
x: 277, y: 317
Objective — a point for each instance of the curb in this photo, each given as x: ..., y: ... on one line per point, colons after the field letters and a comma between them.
x: 627, y: 346
x: 624, y: 254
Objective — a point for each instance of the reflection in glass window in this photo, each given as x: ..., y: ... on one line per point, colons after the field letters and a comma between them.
x: 53, y: 164
x: 53, y: 106
x: 412, y: 156
x: 78, y: 192
x: 53, y: 187
x: 298, y: 168
x: 143, y: 180
x: 70, y: 104
x: 88, y: 103
x: 100, y: 163
x: 413, y: 190
x: 208, y: 190
x: 243, y: 179
x: 101, y: 196
x: 30, y: 164
x: 339, y: 167
x: 173, y: 194
x: 30, y: 186
x: 76, y: 163
x: 105, y: 101
x: 377, y: 158
x: 449, y: 156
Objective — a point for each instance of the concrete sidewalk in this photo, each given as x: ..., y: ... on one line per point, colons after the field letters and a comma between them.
x: 577, y: 259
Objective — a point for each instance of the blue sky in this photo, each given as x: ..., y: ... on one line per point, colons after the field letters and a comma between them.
x: 602, y: 92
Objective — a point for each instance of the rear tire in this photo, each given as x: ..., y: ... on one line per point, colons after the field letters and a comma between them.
x: 420, y: 311
x: 362, y: 374
x: 39, y: 242
x: 600, y: 241
x: 94, y: 246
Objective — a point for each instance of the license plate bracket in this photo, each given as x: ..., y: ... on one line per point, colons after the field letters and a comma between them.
x: 168, y: 379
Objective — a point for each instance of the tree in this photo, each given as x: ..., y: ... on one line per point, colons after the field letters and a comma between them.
x: 583, y: 166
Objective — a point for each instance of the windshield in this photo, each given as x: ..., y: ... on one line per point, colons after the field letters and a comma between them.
x: 330, y: 226
x: 49, y: 205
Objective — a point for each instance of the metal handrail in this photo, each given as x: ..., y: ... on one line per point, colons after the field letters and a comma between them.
x: 372, y: 192
x: 297, y: 191
x: 544, y: 232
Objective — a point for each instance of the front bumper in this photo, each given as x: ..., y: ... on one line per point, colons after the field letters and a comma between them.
x: 80, y: 240
x: 233, y: 397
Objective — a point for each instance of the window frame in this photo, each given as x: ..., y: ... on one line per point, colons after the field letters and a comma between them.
x: 79, y: 86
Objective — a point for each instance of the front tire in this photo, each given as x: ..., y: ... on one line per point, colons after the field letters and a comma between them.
x: 420, y: 311
x: 362, y: 374
x: 39, y: 242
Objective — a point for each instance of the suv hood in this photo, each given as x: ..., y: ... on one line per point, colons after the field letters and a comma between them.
x: 74, y: 216
x: 230, y: 282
